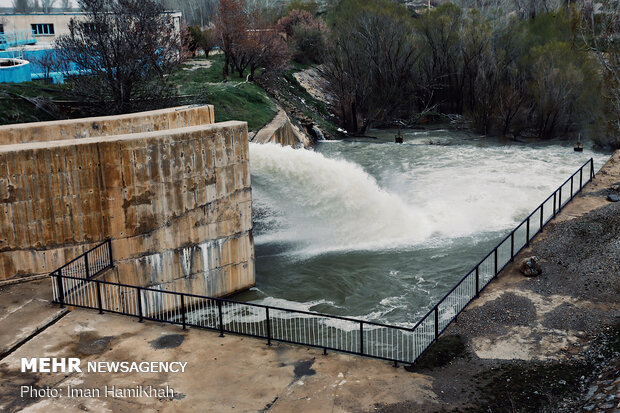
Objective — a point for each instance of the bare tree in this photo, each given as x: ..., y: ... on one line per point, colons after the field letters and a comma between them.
x: 601, y: 35
x: 22, y: 6
x: 369, y: 67
x: 66, y: 5
x: 47, y: 5
x: 125, y: 48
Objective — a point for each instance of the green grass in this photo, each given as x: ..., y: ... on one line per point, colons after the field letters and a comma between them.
x: 246, y: 102
x: 14, y: 109
x: 232, y: 100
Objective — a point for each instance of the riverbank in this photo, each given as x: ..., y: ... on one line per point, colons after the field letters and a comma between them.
x: 525, y: 345
x: 550, y: 343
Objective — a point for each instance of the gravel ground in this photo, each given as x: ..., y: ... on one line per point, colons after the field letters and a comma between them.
x: 578, y: 294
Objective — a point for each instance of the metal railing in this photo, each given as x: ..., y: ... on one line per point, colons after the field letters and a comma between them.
x: 342, y: 334
x: 81, y: 269
x: 16, y: 38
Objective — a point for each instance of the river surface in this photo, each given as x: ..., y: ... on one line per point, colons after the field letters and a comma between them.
x: 382, y: 231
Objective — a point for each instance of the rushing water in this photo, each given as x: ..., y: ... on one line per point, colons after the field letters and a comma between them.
x: 381, y: 231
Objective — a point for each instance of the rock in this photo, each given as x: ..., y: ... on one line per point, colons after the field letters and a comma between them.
x: 318, y: 134
x: 613, y: 198
x: 530, y: 267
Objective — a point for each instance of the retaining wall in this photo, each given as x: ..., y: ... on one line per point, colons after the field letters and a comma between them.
x: 155, y: 120
x: 177, y: 204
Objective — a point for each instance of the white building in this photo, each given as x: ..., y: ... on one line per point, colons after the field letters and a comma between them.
x: 46, y: 26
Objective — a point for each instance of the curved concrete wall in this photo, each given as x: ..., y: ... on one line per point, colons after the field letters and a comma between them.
x: 155, y: 120
x: 177, y: 204
x: 15, y: 74
x: 281, y: 131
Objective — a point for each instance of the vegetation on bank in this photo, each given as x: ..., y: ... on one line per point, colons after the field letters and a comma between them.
x: 536, y: 72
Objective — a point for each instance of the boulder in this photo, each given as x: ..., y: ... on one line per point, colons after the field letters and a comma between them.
x: 530, y: 267
x: 613, y: 198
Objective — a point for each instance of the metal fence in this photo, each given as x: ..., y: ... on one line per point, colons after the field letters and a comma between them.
x: 342, y: 334
x: 16, y: 38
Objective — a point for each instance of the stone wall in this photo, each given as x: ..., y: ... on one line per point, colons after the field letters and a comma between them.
x: 155, y: 120
x: 281, y: 131
x: 177, y: 204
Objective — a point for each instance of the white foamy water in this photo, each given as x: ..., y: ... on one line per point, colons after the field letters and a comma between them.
x: 381, y: 231
x: 320, y: 201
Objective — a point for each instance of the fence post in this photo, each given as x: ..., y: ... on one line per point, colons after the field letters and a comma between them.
x: 554, y: 202
x: 477, y: 281
x: 219, y: 309
x: 361, y: 337
x: 436, y: 321
x: 86, y: 266
x: 560, y: 200
x: 591, y: 168
x: 140, y: 315
x: 527, y: 232
x: 580, y: 178
x: 183, y: 311
x: 268, y: 326
x: 571, y: 186
x: 99, y: 303
x: 495, y: 259
x: 542, y: 214
x: 61, y: 293
x: 512, y: 246
x: 110, y: 252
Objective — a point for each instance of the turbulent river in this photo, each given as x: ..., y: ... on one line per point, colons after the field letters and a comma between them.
x: 381, y: 231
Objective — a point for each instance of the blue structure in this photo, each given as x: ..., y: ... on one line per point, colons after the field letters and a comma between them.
x: 14, y: 71
x: 37, y: 71
x: 16, y: 38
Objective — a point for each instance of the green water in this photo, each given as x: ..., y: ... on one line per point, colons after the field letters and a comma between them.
x: 381, y: 231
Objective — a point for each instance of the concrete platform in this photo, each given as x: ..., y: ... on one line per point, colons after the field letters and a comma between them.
x: 25, y: 309
x: 229, y: 374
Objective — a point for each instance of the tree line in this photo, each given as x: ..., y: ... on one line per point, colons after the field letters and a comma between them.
x: 529, y: 74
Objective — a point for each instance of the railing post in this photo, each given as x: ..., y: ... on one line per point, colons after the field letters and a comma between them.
x: 580, y: 178
x: 560, y: 199
x: 542, y: 215
x: 527, y: 232
x: 554, y: 202
x: 571, y: 186
x: 110, y: 252
x: 86, y: 266
x: 99, y: 303
x: 512, y: 246
x: 268, y: 326
x: 591, y: 168
x: 361, y: 337
x: 219, y: 309
x: 495, y: 259
x: 140, y: 315
x: 183, y: 311
x: 477, y: 281
x: 436, y: 322
x: 61, y: 293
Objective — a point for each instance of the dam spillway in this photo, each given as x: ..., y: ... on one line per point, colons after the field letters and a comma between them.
x: 380, y: 231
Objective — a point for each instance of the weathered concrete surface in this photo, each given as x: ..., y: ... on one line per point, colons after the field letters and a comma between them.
x: 171, y: 118
x: 230, y: 374
x: 177, y: 204
x: 24, y: 310
x: 281, y: 131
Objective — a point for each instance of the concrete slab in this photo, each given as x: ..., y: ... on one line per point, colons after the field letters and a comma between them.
x: 229, y: 374
x: 25, y: 309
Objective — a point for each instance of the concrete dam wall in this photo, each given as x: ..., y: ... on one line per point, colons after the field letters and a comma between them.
x: 107, y: 125
x: 176, y: 202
